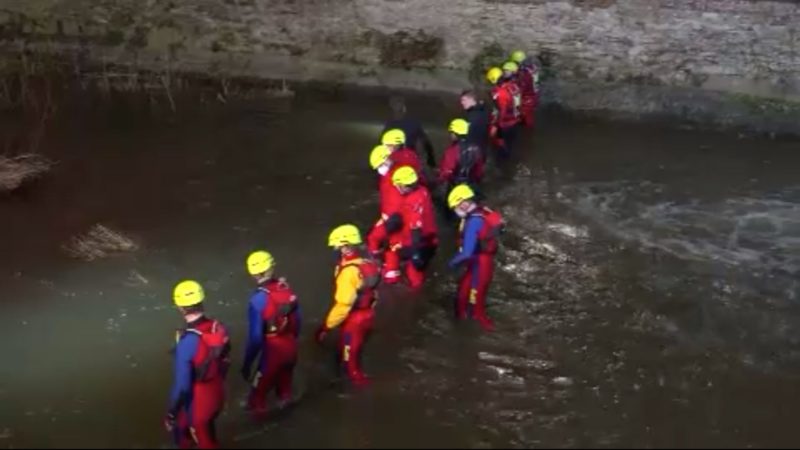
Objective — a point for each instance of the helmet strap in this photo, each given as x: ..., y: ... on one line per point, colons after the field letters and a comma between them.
x: 264, y: 277
x: 191, y: 315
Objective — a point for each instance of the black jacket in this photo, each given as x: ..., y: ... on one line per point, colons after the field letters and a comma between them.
x: 414, y: 133
x: 478, y: 118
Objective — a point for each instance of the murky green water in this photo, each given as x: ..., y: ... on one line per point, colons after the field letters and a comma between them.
x: 647, y: 294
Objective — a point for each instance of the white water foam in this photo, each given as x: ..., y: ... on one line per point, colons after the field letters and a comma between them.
x: 761, y: 233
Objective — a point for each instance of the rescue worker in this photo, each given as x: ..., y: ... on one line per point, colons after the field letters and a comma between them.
x: 479, y: 120
x: 528, y: 81
x: 412, y: 128
x: 400, y: 155
x: 480, y: 228
x: 505, y: 117
x: 201, y: 365
x: 274, y: 326
x: 510, y: 75
x: 356, y: 279
x: 531, y: 64
x: 418, y: 237
x: 380, y: 161
x: 462, y: 161
x: 383, y: 234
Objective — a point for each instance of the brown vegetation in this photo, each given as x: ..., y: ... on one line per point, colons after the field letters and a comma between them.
x: 99, y: 242
x: 20, y: 169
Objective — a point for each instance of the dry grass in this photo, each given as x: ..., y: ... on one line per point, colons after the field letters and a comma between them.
x: 98, y: 243
x: 19, y: 169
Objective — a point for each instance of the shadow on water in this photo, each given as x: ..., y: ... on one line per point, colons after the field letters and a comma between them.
x: 646, y: 294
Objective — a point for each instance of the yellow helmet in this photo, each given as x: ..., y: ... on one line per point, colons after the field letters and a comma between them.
x: 259, y: 262
x: 510, y: 66
x: 459, y: 127
x: 404, y: 176
x: 344, y: 235
x: 394, y: 136
x: 518, y: 56
x: 459, y: 194
x: 494, y: 74
x: 188, y: 293
x: 380, y: 154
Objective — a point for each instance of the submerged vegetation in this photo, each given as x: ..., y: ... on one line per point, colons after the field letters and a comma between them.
x: 99, y: 242
x: 15, y: 171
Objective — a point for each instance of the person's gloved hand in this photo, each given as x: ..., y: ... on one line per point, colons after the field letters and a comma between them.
x: 319, y: 335
x: 417, y: 261
x: 169, y: 422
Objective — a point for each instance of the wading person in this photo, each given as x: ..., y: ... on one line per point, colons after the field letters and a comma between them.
x: 479, y: 118
x: 417, y: 238
x: 201, y: 365
x: 477, y: 243
x: 412, y: 128
x: 462, y: 162
x: 528, y: 80
x: 399, y: 154
x: 274, y: 326
x: 505, y: 117
x: 356, y: 278
x: 383, y: 235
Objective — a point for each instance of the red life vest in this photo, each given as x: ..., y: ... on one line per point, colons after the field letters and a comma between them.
x: 470, y: 167
x: 462, y: 163
x: 370, y: 272
x: 507, y: 112
x: 493, y: 225
x: 527, y: 82
x: 279, y: 315
x: 390, y: 197
x: 516, y: 96
x: 534, y: 69
x: 417, y: 212
x: 211, y: 359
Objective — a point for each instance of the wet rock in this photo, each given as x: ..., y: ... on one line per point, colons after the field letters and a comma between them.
x: 506, y: 378
x: 570, y: 231
x: 518, y: 362
x: 563, y: 381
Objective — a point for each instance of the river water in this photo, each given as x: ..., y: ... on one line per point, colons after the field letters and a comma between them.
x: 646, y: 294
